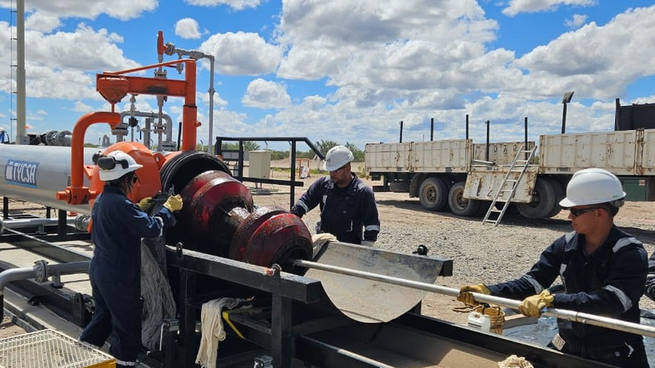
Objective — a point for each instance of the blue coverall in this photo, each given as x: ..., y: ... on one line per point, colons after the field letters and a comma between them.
x: 609, y: 282
x: 118, y: 226
x: 344, y: 211
x: 650, y: 281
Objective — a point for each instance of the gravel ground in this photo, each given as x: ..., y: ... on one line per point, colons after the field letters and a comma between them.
x: 480, y: 253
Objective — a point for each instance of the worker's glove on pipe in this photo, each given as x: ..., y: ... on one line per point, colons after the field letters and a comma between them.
x: 467, y: 298
x: 533, y: 305
x: 319, y: 240
x: 174, y: 203
x: 146, y: 204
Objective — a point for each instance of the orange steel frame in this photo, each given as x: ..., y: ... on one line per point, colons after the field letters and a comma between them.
x: 113, y: 86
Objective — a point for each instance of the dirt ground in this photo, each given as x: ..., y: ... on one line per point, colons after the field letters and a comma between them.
x: 401, y: 214
x: 8, y: 328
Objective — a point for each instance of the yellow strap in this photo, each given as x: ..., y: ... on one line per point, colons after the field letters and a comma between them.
x: 226, y: 316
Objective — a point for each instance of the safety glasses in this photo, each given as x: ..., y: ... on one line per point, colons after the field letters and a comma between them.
x: 581, y: 211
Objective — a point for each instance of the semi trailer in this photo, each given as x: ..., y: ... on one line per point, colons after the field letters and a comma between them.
x: 467, y: 178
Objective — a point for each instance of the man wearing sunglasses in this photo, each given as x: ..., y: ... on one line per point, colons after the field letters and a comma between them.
x: 118, y: 226
x: 347, y: 204
x: 603, y: 270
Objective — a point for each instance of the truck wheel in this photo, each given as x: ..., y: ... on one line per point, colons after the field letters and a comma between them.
x: 543, y: 200
x: 433, y: 194
x: 459, y: 205
x: 560, y: 193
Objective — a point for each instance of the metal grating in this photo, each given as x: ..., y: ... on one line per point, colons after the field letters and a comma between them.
x: 50, y: 349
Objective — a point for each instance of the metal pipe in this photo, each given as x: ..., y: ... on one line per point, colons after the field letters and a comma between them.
x: 574, y: 316
x: 36, y: 173
x: 21, y: 124
x: 487, y: 149
x: 143, y: 114
x: 431, y: 129
x: 23, y: 223
x: 525, y: 138
x: 40, y: 273
x: 211, y: 103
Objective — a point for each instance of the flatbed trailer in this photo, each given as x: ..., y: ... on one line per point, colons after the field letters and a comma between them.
x: 465, y: 178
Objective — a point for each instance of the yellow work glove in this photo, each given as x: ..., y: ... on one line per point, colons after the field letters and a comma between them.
x: 174, y: 203
x: 145, y: 204
x: 467, y: 298
x: 532, y: 305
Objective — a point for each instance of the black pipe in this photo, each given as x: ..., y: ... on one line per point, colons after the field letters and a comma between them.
x: 292, y: 189
x: 564, y: 119
x: 487, y: 154
x: 467, y: 126
x: 240, y: 161
x: 525, y: 127
x: 179, y: 134
x: 401, y: 131
x: 431, y: 129
x: 61, y: 222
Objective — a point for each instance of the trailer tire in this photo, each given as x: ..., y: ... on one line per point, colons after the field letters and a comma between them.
x: 433, y: 194
x: 560, y: 193
x: 543, y: 200
x: 459, y: 205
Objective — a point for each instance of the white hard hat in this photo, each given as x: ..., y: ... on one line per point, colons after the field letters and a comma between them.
x: 336, y: 157
x: 116, y: 164
x: 593, y: 186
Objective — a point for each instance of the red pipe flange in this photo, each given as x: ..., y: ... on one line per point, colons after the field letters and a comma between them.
x: 209, y: 200
x: 270, y: 236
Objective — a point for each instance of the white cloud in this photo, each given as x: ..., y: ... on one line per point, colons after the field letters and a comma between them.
x: 532, y: 6
x: 595, y: 61
x: 234, y: 4
x: 266, y: 94
x: 576, y: 21
x: 242, y: 53
x: 62, y: 65
x: 121, y: 9
x: 82, y: 107
x: 187, y: 28
x: 42, y: 22
x: 85, y: 49
x: 218, y: 101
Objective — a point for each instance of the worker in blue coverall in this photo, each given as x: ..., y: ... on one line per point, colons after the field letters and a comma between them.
x: 117, y: 228
x: 347, y: 204
x: 603, y: 270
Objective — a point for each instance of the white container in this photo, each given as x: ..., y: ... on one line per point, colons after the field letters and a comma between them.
x: 479, y: 321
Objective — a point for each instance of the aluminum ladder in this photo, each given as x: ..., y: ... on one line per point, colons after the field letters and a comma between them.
x: 515, y: 167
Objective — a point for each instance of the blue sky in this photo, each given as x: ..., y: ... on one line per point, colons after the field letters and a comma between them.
x: 342, y: 70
